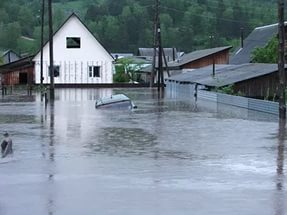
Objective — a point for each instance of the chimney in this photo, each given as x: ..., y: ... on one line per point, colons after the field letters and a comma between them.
x: 241, y: 36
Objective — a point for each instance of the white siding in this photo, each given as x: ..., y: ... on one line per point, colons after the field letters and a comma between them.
x: 74, y: 62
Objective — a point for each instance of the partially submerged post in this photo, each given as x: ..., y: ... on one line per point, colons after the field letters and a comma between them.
x: 42, y: 41
x: 51, y: 68
x: 281, y: 60
x: 213, y: 57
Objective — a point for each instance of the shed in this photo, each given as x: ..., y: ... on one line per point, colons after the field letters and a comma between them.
x: 171, y: 54
x: 251, y: 80
x: 18, y: 72
x: 201, y: 58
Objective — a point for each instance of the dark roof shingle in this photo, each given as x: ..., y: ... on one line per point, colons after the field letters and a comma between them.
x: 225, y: 74
x: 258, y: 38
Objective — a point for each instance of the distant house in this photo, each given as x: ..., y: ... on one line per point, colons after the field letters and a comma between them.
x: 201, y: 58
x: 79, y: 58
x: 9, y: 56
x: 117, y: 56
x: 251, y: 80
x: 258, y: 38
x: 171, y: 54
x: 193, y: 60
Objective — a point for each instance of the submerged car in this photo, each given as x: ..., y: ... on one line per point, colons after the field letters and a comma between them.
x: 118, y: 101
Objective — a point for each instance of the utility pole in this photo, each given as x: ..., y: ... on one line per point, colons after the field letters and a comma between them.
x: 51, y: 68
x: 42, y: 41
x: 157, y: 62
x: 160, y: 83
x: 281, y: 60
x: 153, y: 72
x: 213, y: 57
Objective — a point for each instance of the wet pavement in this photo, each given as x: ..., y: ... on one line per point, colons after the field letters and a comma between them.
x: 166, y: 157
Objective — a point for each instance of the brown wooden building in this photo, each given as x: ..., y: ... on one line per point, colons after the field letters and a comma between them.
x: 251, y: 80
x: 201, y: 58
x: 20, y: 72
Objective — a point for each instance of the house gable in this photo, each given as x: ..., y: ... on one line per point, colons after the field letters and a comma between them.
x: 73, y: 27
x: 76, y: 54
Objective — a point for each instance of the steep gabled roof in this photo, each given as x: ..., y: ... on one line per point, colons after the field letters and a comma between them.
x: 258, y: 38
x: 76, y: 16
x: 196, y: 55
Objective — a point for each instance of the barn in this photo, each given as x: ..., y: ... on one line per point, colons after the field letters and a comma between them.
x: 19, y: 72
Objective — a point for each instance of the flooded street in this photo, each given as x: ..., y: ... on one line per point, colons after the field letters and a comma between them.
x: 166, y: 157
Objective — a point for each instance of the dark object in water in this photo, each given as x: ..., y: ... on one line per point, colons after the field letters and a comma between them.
x: 118, y: 101
x: 6, y: 145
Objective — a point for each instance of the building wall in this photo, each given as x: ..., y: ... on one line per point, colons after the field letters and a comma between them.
x: 74, y: 62
x: 13, y: 76
x: 262, y: 87
x: 219, y: 58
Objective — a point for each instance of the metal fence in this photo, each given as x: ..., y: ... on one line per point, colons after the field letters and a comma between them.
x: 178, y: 90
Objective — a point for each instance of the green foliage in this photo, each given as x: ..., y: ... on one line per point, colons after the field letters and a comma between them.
x: 226, y: 90
x: 126, y: 25
x: 229, y: 90
x: 267, y: 54
x: 126, y: 70
x: 120, y: 76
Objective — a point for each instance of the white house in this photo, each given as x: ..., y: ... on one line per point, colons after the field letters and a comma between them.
x: 78, y: 57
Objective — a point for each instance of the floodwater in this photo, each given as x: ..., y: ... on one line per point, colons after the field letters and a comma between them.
x: 166, y: 157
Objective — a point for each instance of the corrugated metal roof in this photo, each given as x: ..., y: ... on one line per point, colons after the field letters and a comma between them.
x: 258, y: 38
x: 192, y: 56
x: 225, y: 74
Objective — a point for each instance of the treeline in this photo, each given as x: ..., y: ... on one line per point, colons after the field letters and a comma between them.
x: 125, y: 25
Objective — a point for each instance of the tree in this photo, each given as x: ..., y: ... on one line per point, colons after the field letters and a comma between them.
x: 59, y: 18
x: 1, y: 60
x: 115, y: 7
x: 267, y: 54
x: 26, y: 21
x: 108, y: 30
x: 9, y: 36
x: 4, y: 16
x: 133, y: 23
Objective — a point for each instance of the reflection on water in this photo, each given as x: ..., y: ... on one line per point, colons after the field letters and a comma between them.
x: 280, y: 201
x: 166, y: 157
x: 128, y: 139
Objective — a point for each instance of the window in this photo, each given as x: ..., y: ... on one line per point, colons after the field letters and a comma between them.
x: 56, y: 71
x: 73, y: 42
x: 94, y: 71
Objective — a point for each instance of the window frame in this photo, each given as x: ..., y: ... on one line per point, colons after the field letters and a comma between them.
x: 93, y: 73
x: 73, y: 42
x: 56, y: 71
